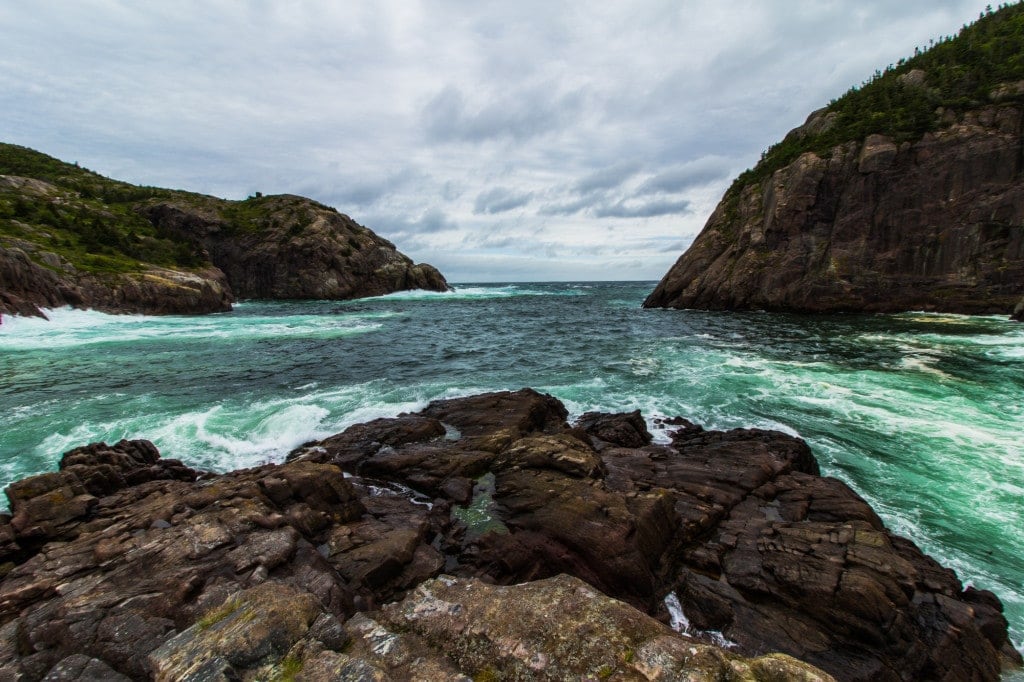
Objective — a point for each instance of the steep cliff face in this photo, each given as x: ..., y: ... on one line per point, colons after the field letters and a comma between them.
x: 71, y: 237
x: 871, y: 225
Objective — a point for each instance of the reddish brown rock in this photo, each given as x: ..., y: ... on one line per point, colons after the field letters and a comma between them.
x: 123, y: 563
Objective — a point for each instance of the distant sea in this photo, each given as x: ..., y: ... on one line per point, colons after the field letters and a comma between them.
x: 922, y: 414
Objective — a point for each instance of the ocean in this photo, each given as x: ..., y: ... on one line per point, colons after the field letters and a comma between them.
x: 922, y: 414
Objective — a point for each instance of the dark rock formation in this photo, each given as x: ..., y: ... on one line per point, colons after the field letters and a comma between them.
x: 72, y: 237
x: 870, y: 226
x: 295, y: 248
x: 327, y: 566
x: 26, y: 286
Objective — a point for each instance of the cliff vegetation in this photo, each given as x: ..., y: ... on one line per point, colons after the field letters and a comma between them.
x: 907, y: 99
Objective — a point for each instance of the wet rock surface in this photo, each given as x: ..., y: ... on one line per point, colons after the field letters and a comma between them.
x: 482, y: 538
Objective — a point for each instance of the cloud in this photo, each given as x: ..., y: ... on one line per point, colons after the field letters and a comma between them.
x: 599, y: 205
x: 569, y: 207
x: 430, y: 221
x: 682, y: 177
x: 608, y: 177
x: 658, y: 207
x: 500, y: 200
x: 520, y: 116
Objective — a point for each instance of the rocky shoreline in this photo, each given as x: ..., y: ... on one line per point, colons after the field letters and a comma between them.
x: 481, y: 538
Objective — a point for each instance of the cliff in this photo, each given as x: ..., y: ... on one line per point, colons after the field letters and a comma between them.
x: 71, y: 237
x: 905, y: 194
x: 481, y: 538
x: 935, y: 224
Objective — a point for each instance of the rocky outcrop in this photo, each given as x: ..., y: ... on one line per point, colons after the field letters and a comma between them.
x: 26, y: 286
x: 870, y: 226
x: 482, y: 538
x: 72, y: 237
x: 296, y: 248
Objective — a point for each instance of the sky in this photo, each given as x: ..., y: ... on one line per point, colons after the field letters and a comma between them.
x: 498, y: 141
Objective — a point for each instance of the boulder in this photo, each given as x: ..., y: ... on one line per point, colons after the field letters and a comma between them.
x: 493, y: 632
x: 626, y: 430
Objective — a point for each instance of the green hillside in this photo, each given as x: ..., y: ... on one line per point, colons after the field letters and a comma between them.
x: 88, y: 219
x: 97, y: 225
x: 960, y: 72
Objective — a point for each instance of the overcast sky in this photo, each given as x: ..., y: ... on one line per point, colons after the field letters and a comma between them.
x: 498, y: 141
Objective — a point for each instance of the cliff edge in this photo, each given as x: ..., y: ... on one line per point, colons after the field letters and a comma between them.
x: 905, y: 194
x: 936, y: 224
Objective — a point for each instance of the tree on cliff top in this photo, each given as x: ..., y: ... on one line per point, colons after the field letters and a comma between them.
x: 959, y: 72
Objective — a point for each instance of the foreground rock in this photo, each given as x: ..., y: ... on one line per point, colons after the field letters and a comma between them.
x: 873, y: 226
x: 440, y: 545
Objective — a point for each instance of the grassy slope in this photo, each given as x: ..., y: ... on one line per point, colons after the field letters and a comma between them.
x: 960, y: 73
x: 94, y: 222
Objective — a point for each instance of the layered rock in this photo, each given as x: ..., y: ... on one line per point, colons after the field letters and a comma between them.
x: 871, y: 225
x: 482, y: 538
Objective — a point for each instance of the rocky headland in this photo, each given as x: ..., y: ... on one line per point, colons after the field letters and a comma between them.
x: 481, y: 538
x: 871, y: 225
x: 71, y: 237
x: 905, y: 194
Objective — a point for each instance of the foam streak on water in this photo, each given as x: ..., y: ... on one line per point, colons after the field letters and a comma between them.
x: 920, y: 413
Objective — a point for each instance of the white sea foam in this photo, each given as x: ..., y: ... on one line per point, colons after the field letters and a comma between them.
x: 463, y: 292
x: 681, y: 624
x: 922, y: 363
x: 68, y: 328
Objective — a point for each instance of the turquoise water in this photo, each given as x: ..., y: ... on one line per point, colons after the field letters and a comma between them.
x: 922, y: 414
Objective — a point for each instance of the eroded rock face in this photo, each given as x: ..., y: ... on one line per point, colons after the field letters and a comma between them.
x: 607, y: 640
x: 298, y: 249
x: 26, y: 286
x: 874, y: 226
x: 327, y: 566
